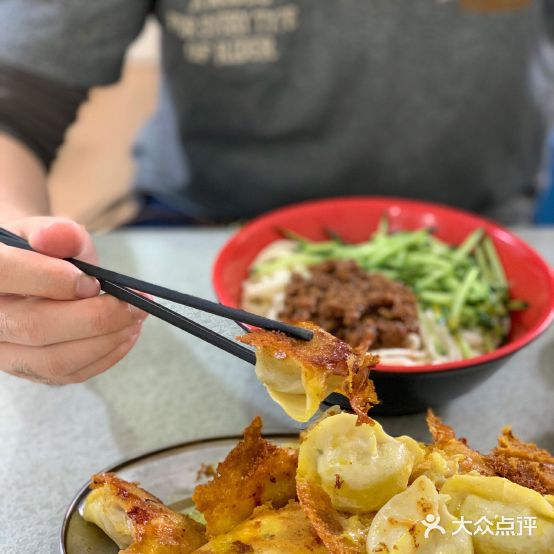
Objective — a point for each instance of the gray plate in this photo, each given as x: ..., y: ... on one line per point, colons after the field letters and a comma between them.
x: 170, y: 474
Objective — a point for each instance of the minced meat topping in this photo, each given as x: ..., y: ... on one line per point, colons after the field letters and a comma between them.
x: 364, y: 309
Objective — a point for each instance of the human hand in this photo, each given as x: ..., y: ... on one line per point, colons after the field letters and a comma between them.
x: 55, y: 327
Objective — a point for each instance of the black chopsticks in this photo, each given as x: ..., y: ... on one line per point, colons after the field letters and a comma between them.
x: 180, y: 321
x: 174, y: 296
x: 119, y: 285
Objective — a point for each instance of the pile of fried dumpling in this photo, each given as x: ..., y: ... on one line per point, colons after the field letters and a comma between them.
x: 347, y: 488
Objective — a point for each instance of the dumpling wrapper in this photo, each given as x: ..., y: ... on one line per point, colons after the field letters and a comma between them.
x: 137, y: 521
x: 475, y: 497
x: 359, y: 466
x: 300, y: 374
x: 346, y: 471
x: 398, y: 526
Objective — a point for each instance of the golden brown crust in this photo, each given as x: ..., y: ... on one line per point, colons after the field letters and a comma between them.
x: 324, y: 351
x: 156, y: 528
x: 250, y: 507
x: 359, y: 388
x: 511, y: 446
x: 255, y: 472
x: 328, y: 522
x: 283, y: 531
x: 440, y: 432
x: 328, y: 356
x: 446, y: 442
x: 523, y: 463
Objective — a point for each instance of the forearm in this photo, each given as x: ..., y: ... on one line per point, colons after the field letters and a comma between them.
x: 34, y: 114
x: 23, y: 189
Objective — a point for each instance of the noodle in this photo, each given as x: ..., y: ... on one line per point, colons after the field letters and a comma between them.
x: 264, y: 293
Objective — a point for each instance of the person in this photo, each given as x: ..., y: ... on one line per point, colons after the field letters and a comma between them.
x: 271, y: 102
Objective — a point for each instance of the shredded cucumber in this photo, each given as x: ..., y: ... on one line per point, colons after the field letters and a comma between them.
x: 464, y: 286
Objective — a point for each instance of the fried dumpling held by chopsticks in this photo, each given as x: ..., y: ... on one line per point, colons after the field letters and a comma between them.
x: 299, y: 374
x: 137, y: 521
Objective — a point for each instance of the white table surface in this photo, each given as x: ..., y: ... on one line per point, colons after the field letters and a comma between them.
x: 172, y: 388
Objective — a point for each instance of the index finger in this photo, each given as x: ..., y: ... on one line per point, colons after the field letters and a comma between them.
x: 32, y: 274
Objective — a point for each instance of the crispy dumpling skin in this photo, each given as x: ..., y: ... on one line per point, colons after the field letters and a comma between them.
x: 454, y: 449
x: 300, y: 374
x: 475, y: 497
x: 137, y: 521
x: 255, y: 472
x: 283, y: 531
x: 342, y: 533
x: 523, y: 463
x: 447, y: 455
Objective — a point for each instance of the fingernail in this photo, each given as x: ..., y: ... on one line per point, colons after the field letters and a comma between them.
x: 87, y: 286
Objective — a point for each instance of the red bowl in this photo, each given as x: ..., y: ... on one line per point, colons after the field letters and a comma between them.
x: 355, y: 218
